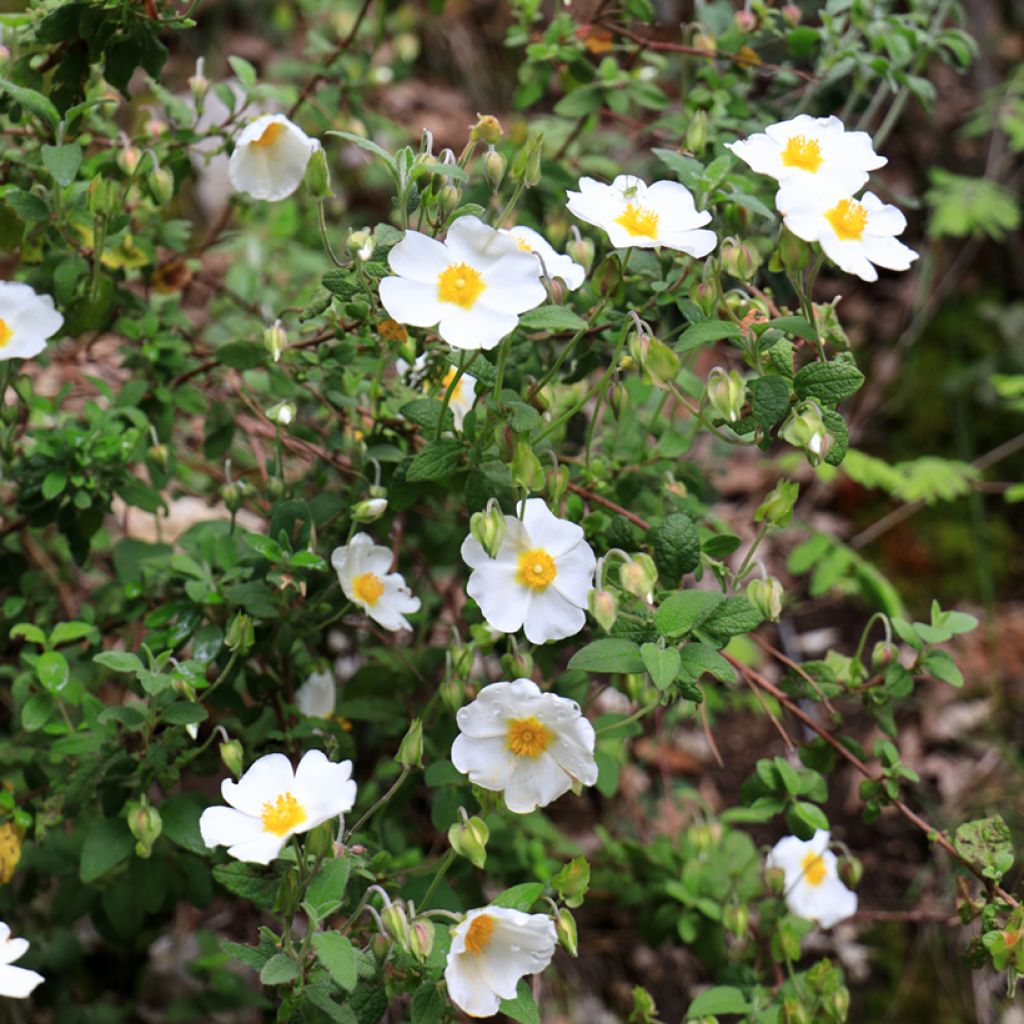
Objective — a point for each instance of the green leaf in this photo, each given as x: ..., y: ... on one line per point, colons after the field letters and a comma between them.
x: 184, y: 712
x: 28, y: 207
x: 368, y: 145
x: 67, y: 632
x: 704, y: 333
x: 27, y: 631
x: 62, y: 162
x: 279, y: 970
x: 34, y: 102
x: 522, y: 1008
x: 554, y: 319
x: 519, y: 897
x: 609, y: 654
x: 327, y: 891
x: 697, y: 660
x: 438, y: 460
x: 118, y: 661
x: 426, y: 412
x: 806, y: 818
x: 251, y: 883
x: 797, y: 325
x: 769, y: 400
x: 428, y: 1005
x: 108, y: 844
x: 241, y: 355
x: 335, y: 952
x: 685, y: 168
x: 36, y: 712
x: 735, y: 615
x: 828, y: 382
x: 662, y: 663
x: 180, y: 815
x: 244, y: 71
x: 676, y: 546
x: 987, y: 843
x: 942, y: 666
x: 685, y: 610
x: 836, y: 426
x: 720, y: 999
x: 52, y: 671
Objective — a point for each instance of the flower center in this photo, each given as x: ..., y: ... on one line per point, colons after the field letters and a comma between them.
x: 528, y: 737
x: 523, y: 244
x: 368, y: 588
x: 803, y: 153
x: 814, y: 869
x: 479, y: 934
x: 848, y: 219
x: 5, y: 332
x: 537, y: 569
x: 460, y: 284
x: 446, y: 383
x: 639, y: 220
x: 283, y: 814
x: 270, y: 134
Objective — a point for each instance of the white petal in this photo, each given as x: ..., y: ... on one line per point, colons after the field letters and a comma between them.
x: 556, y: 536
x: 488, y: 762
x: 267, y: 778
x: 513, y: 285
x: 394, y: 603
x: 503, y: 602
x: 694, y: 243
x: 534, y: 782
x: 418, y: 257
x: 575, y: 754
x: 476, y: 328
x: 12, y: 949
x: 759, y: 153
x: 836, y: 903
x: 261, y: 850
x: 883, y: 218
x: 471, y: 241
x: 467, y: 989
x: 412, y: 302
x: 275, y: 171
x: 324, y: 788
x: 575, y: 578
x: 848, y: 256
x: 550, y: 617
x: 805, y: 222
x: 675, y: 201
x: 18, y: 982
x: 487, y: 716
x: 224, y: 826
x: 890, y: 253
x: 317, y: 696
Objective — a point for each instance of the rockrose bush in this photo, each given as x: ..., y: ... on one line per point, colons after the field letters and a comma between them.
x: 362, y: 523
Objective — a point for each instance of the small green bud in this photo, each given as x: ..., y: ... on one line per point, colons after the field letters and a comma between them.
x: 275, y: 340
x: 369, y: 510
x: 573, y: 881
x: 380, y: 946
x: 565, y: 928
x: 791, y: 14
x: 740, y: 260
x: 396, y: 924
x: 487, y: 130
x: 703, y: 296
x: 851, y: 870
x: 161, y: 185
x: 518, y: 665
x: 127, y: 159
x: 318, y: 175
x: 608, y: 277
x: 726, y: 394
x: 659, y: 363
x: 102, y: 197
x: 777, y: 507
x: 283, y: 413
x: 320, y: 840
x: 746, y: 21
x: 557, y: 483
x: 160, y: 455
x: 736, y: 918
x: 360, y: 244
x: 804, y: 428
x: 240, y: 635
x: 145, y: 824
x: 526, y: 167
x: 453, y: 694
x: 766, y: 596
x: 705, y: 836
x: 644, y: 1008
x: 448, y: 199
x: 775, y: 881
x: 638, y: 576
x: 839, y: 1003
x: 469, y: 839
x: 604, y: 608
x: 526, y: 468
x: 410, y: 750
x: 495, y: 166
x: 581, y: 250
x: 618, y: 399
x: 883, y: 654
x: 696, y: 137
x: 198, y: 84
x: 232, y: 755
x: 421, y: 939
x: 793, y: 1012
x: 488, y: 528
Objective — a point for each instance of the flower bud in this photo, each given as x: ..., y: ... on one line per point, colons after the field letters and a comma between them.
x: 145, y: 824
x: 839, y: 1003
x: 452, y: 694
x: 275, y: 340
x: 793, y: 1012
x: 495, y: 166
x: 282, y: 414
x: 740, y: 260
x: 661, y: 364
x: 638, y: 576
x: 161, y: 185
x: 726, y: 393
x: 488, y: 528
x: 448, y: 199
x: 883, y: 654
x: 581, y: 250
x: 410, y: 750
x: 396, y: 924
x: 526, y: 167
x: 240, y: 635
x: 127, y: 159
x: 319, y: 841
x: 805, y: 429
x: 777, y: 507
x: 232, y: 755
x: 487, y: 130
x: 705, y: 836
x: 469, y: 839
x: 421, y: 939
x: 557, y: 483
x: 318, y: 175
x: 565, y: 929
x: 525, y: 467
x: 102, y: 197
x: 697, y: 132
x: 518, y: 665
x: 851, y: 870
x: 703, y: 296
x: 618, y: 399
x: 198, y: 83
x: 369, y: 510
x: 573, y: 881
x: 766, y: 596
x: 736, y: 918
x: 775, y: 881
x: 745, y: 21
x: 607, y: 278
x: 380, y: 946
x: 159, y: 455
x: 604, y: 608
x: 360, y: 244
x: 791, y: 14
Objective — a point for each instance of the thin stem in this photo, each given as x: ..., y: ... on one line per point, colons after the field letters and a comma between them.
x: 745, y: 567
x: 321, y: 219
x: 442, y: 869
x: 636, y: 716
x: 396, y: 786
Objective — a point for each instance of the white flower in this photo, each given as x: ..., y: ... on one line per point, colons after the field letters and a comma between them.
x: 463, y: 397
x: 473, y: 285
x: 540, y: 578
x: 809, y: 151
x: 16, y: 982
x: 270, y: 158
x: 555, y: 264
x: 270, y: 803
x: 317, y: 695
x: 646, y: 216
x: 492, y: 948
x: 363, y: 571
x: 26, y: 321
x: 529, y: 745
x: 853, y: 233
x: 813, y: 888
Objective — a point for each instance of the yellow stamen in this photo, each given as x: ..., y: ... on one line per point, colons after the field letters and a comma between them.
x: 479, y: 933
x: 283, y: 814
x: 461, y: 285
x: 528, y: 737
x: 639, y: 221
x: 5, y: 332
x: 803, y: 153
x: 536, y: 570
x: 814, y: 869
x: 368, y: 588
x: 848, y: 219
x: 270, y: 134
x: 524, y: 244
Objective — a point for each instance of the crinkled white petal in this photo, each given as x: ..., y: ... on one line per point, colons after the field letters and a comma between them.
x: 512, y: 284
x: 30, y: 318
x: 12, y: 949
x: 545, y: 530
x: 477, y: 328
x: 224, y: 826
x: 324, y: 788
x: 503, y: 601
x: 272, y: 172
x: 418, y: 257
x: 470, y: 240
x: 317, y: 696
x: 549, y: 616
x: 18, y: 982
x: 396, y: 601
x: 267, y: 778
x: 487, y: 761
x: 555, y: 263
x: 412, y: 302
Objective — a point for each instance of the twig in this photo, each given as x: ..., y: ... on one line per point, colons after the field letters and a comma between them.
x: 707, y: 732
x: 598, y: 499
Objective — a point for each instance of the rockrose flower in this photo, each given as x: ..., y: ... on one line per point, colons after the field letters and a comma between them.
x: 317, y: 696
x: 26, y: 321
x: 646, y: 216
x: 492, y: 948
x: 556, y: 264
x: 813, y: 888
x: 539, y: 580
x: 270, y: 158
x: 530, y: 746
x: 472, y: 286
x: 270, y: 803
x: 855, y: 234
x: 809, y: 151
x: 17, y: 982
x: 363, y: 570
